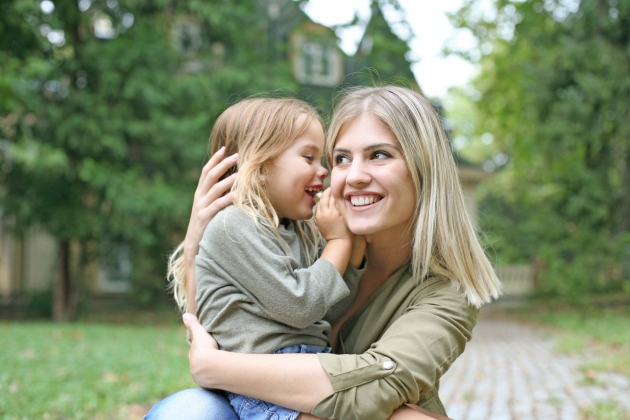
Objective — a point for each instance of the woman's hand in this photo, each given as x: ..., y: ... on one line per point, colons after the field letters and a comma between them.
x: 202, y: 347
x: 210, y: 198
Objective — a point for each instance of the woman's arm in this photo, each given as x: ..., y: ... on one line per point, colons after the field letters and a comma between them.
x: 256, y: 366
x: 253, y: 374
x: 406, y: 412
x: 210, y: 197
x: 271, y: 377
x: 421, y: 343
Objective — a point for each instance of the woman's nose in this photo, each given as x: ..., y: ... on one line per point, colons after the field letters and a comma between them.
x: 357, y: 174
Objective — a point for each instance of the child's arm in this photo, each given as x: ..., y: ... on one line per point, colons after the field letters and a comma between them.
x: 358, y: 251
x: 251, y: 257
x: 339, y: 247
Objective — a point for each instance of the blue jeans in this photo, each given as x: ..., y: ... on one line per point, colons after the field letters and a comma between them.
x: 193, y: 404
x: 203, y: 404
x: 249, y: 408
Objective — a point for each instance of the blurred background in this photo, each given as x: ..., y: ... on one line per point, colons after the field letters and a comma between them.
x: 105, y: 111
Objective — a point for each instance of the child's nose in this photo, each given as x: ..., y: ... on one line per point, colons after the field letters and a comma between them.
x: 322, y: 172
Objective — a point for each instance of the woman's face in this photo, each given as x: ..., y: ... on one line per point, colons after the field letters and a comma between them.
x: 370, y: 179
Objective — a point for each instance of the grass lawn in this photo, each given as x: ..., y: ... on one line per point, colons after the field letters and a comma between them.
x: 89, y: 370
x: 115, y: 364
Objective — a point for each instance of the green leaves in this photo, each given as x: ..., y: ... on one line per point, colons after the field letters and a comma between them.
x: 555, y: 96
x: 106, y: 136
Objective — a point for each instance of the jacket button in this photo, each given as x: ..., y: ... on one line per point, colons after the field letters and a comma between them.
x: 388, y: 365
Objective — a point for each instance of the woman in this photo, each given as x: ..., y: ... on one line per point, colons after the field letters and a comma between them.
x: 426, y: 276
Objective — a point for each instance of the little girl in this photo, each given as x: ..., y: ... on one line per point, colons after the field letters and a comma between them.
x: 266, y: 283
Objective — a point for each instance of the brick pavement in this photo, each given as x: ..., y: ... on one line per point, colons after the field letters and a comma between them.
x: 510, y: 371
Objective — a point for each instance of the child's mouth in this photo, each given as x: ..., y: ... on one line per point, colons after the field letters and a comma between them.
x: 313, y: 191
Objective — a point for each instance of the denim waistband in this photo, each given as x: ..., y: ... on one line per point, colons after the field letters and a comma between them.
x: 304, y: 348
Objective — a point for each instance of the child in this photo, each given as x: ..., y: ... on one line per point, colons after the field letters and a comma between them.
x: 261, y: 287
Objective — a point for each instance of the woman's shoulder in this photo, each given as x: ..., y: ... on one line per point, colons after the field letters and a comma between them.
x: 437, y: 288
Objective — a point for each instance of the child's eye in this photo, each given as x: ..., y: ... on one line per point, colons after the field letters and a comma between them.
x: 340, y: 159
x: 309, y: 158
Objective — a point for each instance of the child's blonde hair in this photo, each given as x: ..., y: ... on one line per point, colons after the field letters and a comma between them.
x: 259, y: 129
x: 445, y: 242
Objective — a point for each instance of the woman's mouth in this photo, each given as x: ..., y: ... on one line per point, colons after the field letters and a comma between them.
x: 364, y: 200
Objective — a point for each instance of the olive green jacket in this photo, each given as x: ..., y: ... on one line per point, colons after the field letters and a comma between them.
x: 396, y: 348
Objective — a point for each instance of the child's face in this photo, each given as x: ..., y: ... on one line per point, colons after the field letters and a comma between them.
x: 297, y: 175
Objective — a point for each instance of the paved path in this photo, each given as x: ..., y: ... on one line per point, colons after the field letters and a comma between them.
x: 510, y: 371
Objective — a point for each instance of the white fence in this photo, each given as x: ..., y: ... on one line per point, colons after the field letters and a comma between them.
x: 517, y: 280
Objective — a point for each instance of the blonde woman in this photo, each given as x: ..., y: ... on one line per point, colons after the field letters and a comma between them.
x: 426, y: 276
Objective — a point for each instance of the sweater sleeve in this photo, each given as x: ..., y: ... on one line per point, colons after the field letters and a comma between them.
x: 407, y: 361
x: 258, y: 262
x: 351, y: 277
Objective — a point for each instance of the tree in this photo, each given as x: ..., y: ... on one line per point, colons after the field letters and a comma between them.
x: 105, y: 108
x: 554, y: 92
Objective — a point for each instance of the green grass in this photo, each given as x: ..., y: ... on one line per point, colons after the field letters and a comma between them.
x: 116, y: 362
x: 88, y: 370
x: 607, y: 410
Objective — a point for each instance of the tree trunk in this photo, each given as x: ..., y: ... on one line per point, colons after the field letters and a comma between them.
x: 61, y: 288
x: 65, y: 291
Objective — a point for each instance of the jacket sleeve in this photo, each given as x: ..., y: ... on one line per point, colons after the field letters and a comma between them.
x: 407, y: 361
x: 258, y: 262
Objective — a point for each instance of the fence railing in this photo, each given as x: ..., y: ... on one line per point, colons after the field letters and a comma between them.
x: 517, y: 280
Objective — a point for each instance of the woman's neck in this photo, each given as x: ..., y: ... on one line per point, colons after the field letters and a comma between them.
x: 385, y: 255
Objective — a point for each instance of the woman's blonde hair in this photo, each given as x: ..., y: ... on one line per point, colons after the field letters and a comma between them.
x: 259, y: 129
x: 445, y: 242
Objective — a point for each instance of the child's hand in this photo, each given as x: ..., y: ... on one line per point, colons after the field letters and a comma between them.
x: 329, y: 220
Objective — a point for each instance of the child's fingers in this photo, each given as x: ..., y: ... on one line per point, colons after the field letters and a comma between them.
x: 324, y: 200
x: 331, y: 200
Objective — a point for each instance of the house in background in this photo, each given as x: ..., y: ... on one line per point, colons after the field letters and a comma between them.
x: 319, y: 67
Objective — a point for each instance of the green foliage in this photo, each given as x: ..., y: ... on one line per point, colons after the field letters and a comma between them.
x: 107, y: 134
x: 39, y: 305
x: 83, y: 371
x: 554, y: 92
x: 387, y: 52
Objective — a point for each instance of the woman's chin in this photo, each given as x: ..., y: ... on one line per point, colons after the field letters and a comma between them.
x: 361, y: 228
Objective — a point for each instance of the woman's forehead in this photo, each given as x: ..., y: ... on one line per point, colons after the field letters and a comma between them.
x: 366, y: 129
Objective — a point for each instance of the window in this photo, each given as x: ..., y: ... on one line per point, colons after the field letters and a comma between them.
x: 115, y: 267
x: 317, y: 62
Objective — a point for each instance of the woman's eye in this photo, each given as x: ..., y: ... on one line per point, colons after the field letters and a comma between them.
x: 381, y: 155
x: 341, y: 159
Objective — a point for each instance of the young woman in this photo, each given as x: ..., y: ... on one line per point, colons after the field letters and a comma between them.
x: 426, y: 276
